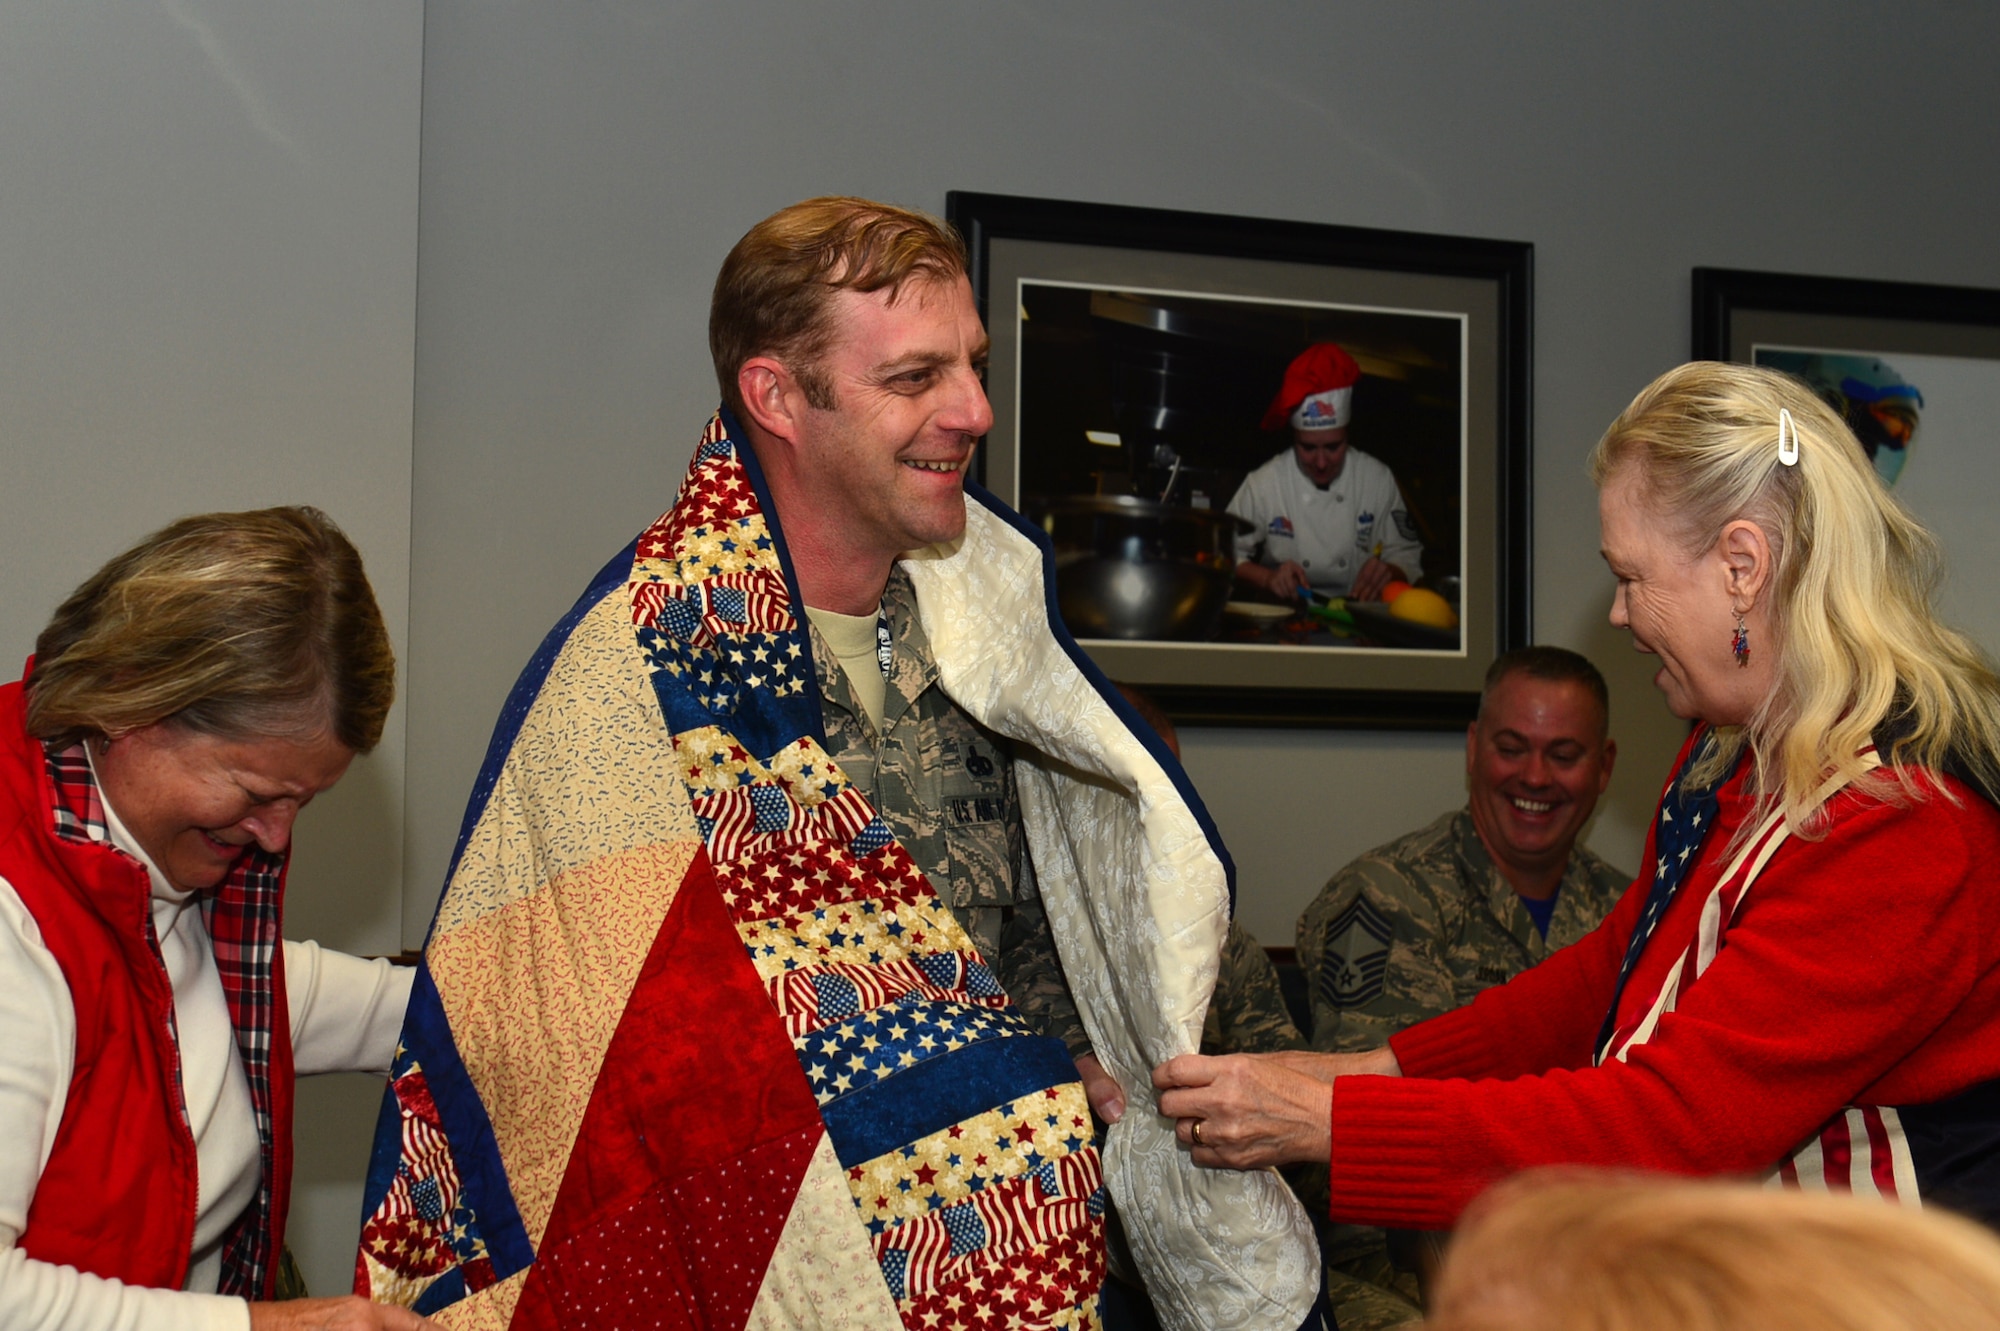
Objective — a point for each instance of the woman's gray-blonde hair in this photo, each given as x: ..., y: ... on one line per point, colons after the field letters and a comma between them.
x: 1608, y: 1252
x: 242, y: 625
x: 1859, y: 644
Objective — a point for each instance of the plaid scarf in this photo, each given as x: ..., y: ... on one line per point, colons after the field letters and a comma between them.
x: 243, y: 922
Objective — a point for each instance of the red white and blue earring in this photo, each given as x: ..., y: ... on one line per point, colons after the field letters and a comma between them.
x: 1739, y: 642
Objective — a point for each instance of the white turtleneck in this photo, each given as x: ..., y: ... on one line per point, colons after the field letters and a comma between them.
x: 346, y: 1015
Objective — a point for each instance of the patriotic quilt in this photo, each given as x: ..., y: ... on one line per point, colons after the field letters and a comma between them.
x: 695, y: 1044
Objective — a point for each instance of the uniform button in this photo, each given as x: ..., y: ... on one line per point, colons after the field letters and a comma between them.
x: 1339, y: 498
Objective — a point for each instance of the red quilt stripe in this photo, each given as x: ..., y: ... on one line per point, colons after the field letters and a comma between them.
x: 699, y: 1129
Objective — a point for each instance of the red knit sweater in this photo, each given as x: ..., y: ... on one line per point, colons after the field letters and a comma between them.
x: 1864, y: 968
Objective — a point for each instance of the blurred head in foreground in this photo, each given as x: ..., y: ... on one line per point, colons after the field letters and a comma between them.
x: 1590, y: 1252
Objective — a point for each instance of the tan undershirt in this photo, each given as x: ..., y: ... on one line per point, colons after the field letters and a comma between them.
x: 852, y: 638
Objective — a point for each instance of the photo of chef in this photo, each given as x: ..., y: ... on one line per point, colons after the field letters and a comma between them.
x: 1246, y: 471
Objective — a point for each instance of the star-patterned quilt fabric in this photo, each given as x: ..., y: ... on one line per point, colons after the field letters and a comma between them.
x: 695, y: 1044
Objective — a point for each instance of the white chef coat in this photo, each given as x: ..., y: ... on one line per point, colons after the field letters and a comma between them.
x: 1330, y: 533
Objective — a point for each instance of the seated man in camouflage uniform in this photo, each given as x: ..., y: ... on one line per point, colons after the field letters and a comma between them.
x: 1421, y: 925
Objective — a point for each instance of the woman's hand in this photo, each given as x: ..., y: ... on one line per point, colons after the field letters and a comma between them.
x: 1249, y: 1111
x: 1325, y: 1067
x: 343, y: 1314
x: 1245, y: 1111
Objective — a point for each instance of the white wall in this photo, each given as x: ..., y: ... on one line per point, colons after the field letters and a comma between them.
x: 208, y: 301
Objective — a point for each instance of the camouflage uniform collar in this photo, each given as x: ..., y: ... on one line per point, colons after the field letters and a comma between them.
x: 1478, y: 865
x: 912, y: 669
x: 1501, y: 898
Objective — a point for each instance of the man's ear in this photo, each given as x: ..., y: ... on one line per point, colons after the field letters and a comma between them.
x: 1471, y: 746
x: 1610, y: 761
x: 771, y: 397
x: 1746, y: 558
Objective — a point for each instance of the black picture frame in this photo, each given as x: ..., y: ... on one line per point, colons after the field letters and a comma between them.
x: 1733, y: 305
x: 1487, y: 285
x: 1938, y: 347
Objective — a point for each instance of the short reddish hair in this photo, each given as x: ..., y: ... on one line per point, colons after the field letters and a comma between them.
x: 774, y: 291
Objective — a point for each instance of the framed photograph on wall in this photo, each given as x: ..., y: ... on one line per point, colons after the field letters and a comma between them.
x: 1188, y: 403
x: 1915, y: 371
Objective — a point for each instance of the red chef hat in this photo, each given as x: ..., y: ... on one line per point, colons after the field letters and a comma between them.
x: 1318, y: 392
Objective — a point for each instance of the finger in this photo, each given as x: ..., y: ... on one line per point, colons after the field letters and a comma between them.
x: 1107, y: 1097
x: 1210, y: 1157
x: 1209, y: 1143
x: 1183, y: 1070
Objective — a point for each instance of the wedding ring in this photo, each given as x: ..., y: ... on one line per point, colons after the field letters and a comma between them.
x: 1194, y: 1133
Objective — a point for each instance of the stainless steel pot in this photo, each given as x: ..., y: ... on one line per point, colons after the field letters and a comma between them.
x: 1134, y: 568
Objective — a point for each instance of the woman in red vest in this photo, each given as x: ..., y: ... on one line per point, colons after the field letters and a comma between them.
x: 1804, y: 984
x: 182, y: 706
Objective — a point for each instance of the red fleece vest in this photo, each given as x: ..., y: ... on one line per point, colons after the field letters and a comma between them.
x: 120, y: 1190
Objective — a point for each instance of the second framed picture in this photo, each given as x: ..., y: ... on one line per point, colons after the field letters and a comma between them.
x: 1913, y: 369
x: 1285, y: 466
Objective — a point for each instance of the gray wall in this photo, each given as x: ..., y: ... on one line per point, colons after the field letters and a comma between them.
x: 208, y: 301
x: 586, y: 167
x: 208, y: 262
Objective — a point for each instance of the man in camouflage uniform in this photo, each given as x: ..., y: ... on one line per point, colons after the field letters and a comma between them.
x: 1247, y: 1015
x: 860, y: 393
x: 945, y: 786
x: 1420, y: 926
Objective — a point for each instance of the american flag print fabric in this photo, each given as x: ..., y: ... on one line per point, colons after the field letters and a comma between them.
x: 695, y: 1044
x: 1862, y: 1149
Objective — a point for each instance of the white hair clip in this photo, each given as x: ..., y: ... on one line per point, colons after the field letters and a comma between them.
x: 1788, y: 438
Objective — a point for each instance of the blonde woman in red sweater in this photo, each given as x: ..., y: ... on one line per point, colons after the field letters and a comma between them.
x: 1805, y: 981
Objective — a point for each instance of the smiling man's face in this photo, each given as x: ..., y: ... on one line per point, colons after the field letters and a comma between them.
x: 1537, y: 759
x: 890, y: 456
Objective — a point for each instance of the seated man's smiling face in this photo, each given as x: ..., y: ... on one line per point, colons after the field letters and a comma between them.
x: 1536, y: 760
